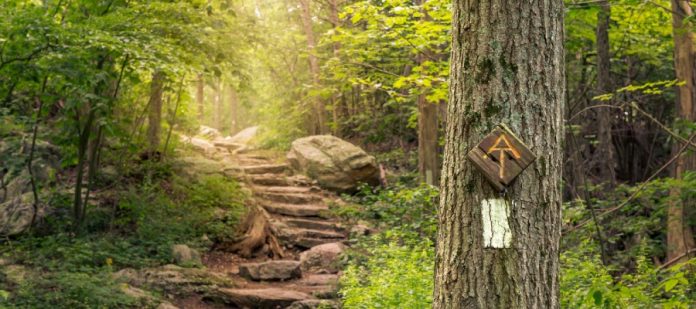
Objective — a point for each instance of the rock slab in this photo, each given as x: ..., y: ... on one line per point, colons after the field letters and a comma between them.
x: 322, y: 258
x: 270, y: 298
x: 271, y: 270
x: 334, y: 163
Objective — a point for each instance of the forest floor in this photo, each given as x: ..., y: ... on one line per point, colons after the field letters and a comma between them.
x: 300, y: 219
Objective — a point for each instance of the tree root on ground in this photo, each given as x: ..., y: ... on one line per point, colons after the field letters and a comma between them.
x: 258, y: 238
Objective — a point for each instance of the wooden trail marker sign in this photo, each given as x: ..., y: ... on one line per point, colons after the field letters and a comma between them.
x: 501, y: 157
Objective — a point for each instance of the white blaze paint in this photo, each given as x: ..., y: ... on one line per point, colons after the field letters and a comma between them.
x: 496, y: 230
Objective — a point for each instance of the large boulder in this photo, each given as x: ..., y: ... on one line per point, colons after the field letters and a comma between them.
x: 244, y: 136
x: 334, y: 163
x: 16, y: 214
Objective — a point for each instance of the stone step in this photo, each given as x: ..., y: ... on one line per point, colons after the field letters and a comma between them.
x: 290, y: 198
x: 270, y: 270
x: 286, y: 189
x: 306, y: 238
x: 318, y: 279
x: 309, y: 242
x: 315, y: 304
x: 258, y: 169
x: 295, y: 210
x: 278, y: 180
x: 262, y: 298
x: 298, y: 232
x: 316, y: 224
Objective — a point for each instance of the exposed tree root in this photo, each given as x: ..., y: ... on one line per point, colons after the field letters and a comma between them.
x: 258, y: 238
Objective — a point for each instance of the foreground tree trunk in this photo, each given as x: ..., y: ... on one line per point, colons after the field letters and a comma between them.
x: 319, y: 119
x: 154, y: 117
x: 680, y: 239
x: 605, y: 148
x: 506, y: 67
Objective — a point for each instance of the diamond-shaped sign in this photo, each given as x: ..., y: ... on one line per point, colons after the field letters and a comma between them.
x: 501, y: 157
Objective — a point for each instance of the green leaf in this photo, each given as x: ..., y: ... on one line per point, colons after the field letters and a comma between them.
x: 597, y: 296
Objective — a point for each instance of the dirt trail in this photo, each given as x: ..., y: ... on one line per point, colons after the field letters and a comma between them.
x: 298, y: 213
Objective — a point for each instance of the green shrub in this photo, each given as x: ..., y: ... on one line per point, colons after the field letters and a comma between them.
x: 73, y: 290
x: 412, y: 210
x: 392, y: 276
x: 586, y: 283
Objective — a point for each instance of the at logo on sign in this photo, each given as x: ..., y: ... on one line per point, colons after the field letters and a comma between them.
x: 502, y: 145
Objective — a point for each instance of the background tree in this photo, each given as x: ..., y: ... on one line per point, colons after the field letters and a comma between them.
x: 680, y: 238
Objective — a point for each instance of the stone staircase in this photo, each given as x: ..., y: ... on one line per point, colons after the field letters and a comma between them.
x: 300, y: 218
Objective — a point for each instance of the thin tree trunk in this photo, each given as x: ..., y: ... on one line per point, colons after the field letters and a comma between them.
x: 506, y: 67
x: 234, y: 111
x: 154, y: 118
x: 428, y: 161
x: 605, y: 151
x: 680, y: 239
x: 200, y: 97
x: 336, y: 46
x: 319, y: 124
x: 219, y: 90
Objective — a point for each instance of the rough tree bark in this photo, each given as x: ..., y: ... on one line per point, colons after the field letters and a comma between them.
x: 154, y: 117
x: 605, y: 148
x: 319, y: 125
x: 506, y: 67
x: 200, y: 96
x: 680, y: 239
x: 234, y: 111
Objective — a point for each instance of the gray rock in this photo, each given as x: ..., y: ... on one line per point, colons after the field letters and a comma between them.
x: 209, y: 133
x: 175, y: 280
x: 322, y: 258
x: 16, y: 274
x: 244, y: 136
x: 270, y: 270
x: 16, y: 214
x: 334, y: 163
x: 185, y: 256
x: 203, y: 146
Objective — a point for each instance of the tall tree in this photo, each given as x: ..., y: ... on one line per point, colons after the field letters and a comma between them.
x: 154, y: 117
x: 506, y: 67
x: 234, y: 110
x: 319, y: 126
x: 605, y: 148
x: 200, y: 96
x: 428, y: 158
x: 335, y: 46
x: 217, y: 100
x: 680, y: 239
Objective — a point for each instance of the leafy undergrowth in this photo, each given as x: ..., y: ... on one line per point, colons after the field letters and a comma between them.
x: 394, y: 268
x: 57, y: 268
